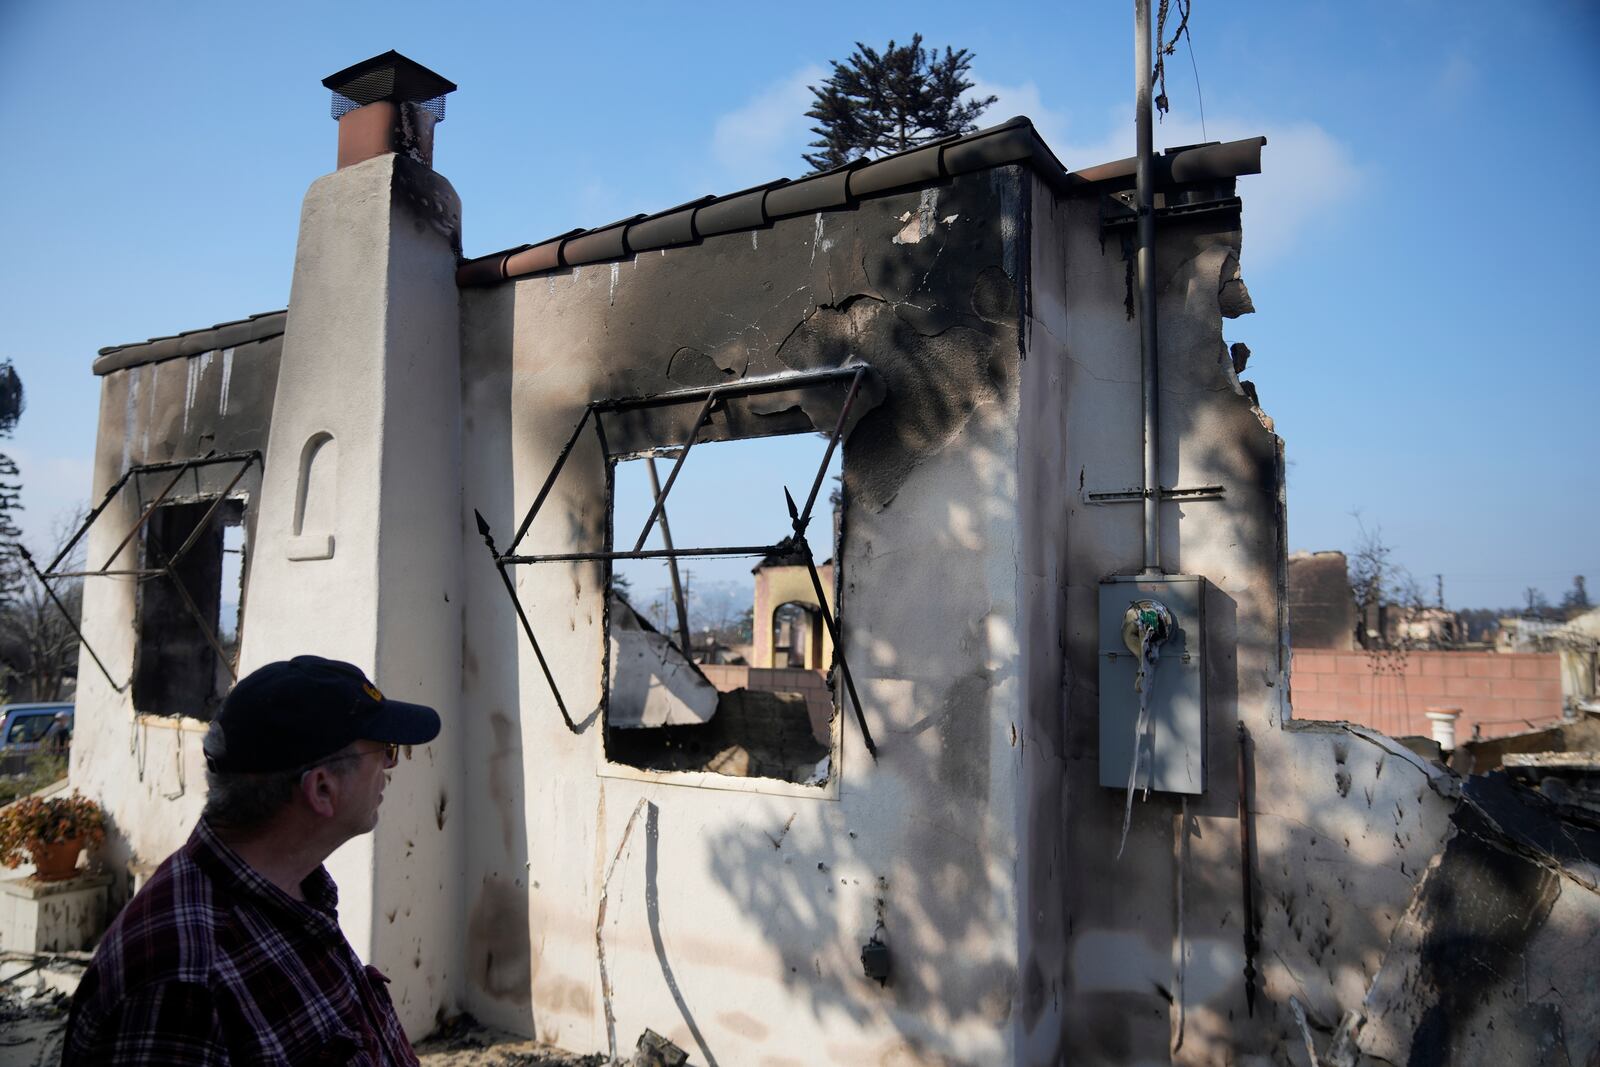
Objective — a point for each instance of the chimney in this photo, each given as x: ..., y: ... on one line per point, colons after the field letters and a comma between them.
x: 1442, y: 721
x: 387, y: 104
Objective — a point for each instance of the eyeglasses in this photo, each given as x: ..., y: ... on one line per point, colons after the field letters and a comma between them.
x: 390, y: 752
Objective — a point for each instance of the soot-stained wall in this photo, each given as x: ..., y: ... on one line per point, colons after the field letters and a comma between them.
x: 998, y: 318
x: 735, y: 910
x: 1142, y: 958
x: 147, y: 769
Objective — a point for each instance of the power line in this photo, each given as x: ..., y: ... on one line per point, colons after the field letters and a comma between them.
x: 1188, y: 38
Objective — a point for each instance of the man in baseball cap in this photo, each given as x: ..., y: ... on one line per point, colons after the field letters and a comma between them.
x: 232, y: 952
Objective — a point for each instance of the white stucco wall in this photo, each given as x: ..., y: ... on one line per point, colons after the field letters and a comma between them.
x: 147, y: 770
x: 370, y: 356
x: 1344, y: 824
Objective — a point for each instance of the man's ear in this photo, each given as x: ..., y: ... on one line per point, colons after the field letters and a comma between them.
x: 320, y: 788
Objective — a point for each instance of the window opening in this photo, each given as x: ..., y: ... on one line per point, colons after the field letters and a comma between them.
x: 181, y: 665
x: 796, y: 636
x: 686, y: 689
x: 670, y: 426
x: 232, y: 587
x: 199, y: 518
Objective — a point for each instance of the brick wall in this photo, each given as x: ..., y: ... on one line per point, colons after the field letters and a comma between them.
x: 1498, y: 692
x: 813, y: 685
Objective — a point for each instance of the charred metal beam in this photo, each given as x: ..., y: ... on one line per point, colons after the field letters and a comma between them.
x: 144, y: 518
x: 833, y: 444
x: 708, y: 398
x: 88, y: 520
x: 648, y: 553
x: 205, y: 520
x: 205, y: 628
x: 67, y: 615
x: 672, y: 562
x: 210, y: 459
x: 142, y: 572
x: 803, y: 547
x: 550, y: 480
x: 527, y: 627
x: 245, y: 457
x: 194, y: 609
x: 749, y: 387
x: 661, y: 497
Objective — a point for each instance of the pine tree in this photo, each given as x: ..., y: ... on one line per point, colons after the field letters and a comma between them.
x: 874, y: 104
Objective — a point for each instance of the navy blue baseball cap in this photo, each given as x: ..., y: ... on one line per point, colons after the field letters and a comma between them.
x: 295, y: 712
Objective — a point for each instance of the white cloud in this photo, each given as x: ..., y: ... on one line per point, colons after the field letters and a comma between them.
x: 1306, y: 172
x: 1017, y: 100
x: 764, y: 137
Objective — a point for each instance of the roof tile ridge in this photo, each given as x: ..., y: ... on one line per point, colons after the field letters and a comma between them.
x: 1015, y: 140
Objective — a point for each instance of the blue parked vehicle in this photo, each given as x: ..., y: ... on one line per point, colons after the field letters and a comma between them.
x: 26, y: 729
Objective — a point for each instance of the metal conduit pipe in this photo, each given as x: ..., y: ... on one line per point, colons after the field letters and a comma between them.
x: 1144, y: 271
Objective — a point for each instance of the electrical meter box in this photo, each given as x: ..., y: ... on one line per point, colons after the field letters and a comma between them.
x: 1169, y: 612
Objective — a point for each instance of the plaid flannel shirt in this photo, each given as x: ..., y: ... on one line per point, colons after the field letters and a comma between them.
x: 212, y: 964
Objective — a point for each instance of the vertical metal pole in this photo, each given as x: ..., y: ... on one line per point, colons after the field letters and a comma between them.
x: 672, y: 562
x: 1247, y: 863
x: 1144, y: 268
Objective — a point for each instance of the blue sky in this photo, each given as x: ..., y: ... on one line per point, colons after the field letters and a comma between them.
x: 1419, y: 264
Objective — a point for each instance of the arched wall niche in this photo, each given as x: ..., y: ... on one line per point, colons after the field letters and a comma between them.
x: 316, y: 500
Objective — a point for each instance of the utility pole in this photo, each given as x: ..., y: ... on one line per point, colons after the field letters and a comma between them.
x: 688, y: 647
x: 1144, y: 268
x: 1439, y: 578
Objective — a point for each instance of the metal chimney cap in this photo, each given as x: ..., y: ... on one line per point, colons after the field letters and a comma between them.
x: 390, y: 76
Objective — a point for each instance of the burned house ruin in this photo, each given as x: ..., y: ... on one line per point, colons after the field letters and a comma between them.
x: 419, y: 460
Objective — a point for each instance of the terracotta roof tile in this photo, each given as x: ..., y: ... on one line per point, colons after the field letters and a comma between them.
x: 192, y: 342
x: 674, y: 226
x: 1012, y: 142
x: 749, y: 209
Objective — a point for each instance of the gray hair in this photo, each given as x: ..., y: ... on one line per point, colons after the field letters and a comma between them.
x: 247, y: 801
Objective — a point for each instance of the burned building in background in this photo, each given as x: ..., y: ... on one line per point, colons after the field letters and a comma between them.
x: 932, y: 851
x: 1322, y: 607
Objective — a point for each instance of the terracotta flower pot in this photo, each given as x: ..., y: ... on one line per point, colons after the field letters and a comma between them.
x: 57, y: 862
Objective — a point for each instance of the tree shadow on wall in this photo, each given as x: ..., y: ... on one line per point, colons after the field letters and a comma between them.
x: 935, y: 887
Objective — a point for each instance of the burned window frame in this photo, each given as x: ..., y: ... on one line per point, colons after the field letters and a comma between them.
x: 179, y: 657
x: 857, y: 380
x: 170, y: 494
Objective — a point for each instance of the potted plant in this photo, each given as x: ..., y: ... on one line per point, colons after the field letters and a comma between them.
x: 50, y: 831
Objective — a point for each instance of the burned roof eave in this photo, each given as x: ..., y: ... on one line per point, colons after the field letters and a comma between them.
x: 259, y: 327
x: 759, y: 206
x: 1012, y: 142
x: 1015, y: 142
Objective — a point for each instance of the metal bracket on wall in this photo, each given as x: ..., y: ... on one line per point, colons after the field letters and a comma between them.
x: 179, y: 468
x: 709, y: 401
x: 1119, y: 209
x: 1134, y: 495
